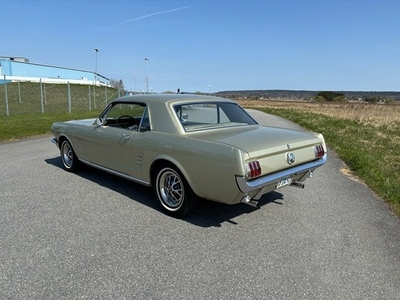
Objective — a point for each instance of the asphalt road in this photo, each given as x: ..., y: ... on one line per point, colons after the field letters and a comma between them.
x: 95, y: 236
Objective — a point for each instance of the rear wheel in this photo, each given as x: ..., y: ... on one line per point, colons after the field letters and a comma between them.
x: 68, y: 157
x: 173, y: 192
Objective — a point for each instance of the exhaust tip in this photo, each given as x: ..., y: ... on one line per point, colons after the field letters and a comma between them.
x: 247, y: 200
x: 298, y: 184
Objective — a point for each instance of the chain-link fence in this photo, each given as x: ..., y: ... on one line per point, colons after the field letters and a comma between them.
x: 40, y: 97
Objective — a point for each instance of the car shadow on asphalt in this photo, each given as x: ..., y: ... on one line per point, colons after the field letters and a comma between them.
x: 213, y: 214
x: 206, y: 214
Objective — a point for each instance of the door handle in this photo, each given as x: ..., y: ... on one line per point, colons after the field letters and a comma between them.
x: 126, y: 136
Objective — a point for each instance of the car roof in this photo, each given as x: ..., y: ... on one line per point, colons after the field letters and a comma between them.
x: 163, y: 117
x: 164, y: 98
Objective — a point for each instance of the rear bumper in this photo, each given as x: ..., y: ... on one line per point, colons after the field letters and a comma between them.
x: 270, y: 181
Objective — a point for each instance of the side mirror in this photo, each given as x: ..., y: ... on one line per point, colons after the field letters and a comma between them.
x: 184, y: 117
x: 99, y: 121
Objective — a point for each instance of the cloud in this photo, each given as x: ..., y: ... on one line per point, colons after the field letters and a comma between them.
x: 153, y: 14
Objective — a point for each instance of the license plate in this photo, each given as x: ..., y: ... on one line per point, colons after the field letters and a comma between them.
x: 284, y: 182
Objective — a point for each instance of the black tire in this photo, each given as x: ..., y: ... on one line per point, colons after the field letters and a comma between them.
x: 173, y: 193
x: 68, y: 157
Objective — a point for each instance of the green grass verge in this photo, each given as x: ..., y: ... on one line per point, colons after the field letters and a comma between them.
x: 371, y: 152
x: 29, y: 97
x: 27, y: 125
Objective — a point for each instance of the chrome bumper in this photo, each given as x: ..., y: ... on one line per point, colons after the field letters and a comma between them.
x: 246, y: 186
x: 54, y: 141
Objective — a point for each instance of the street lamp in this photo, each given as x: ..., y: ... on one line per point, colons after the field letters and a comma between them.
x: 95, y: 78
x: 209, y: 90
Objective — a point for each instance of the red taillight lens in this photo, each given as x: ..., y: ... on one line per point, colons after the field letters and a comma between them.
x: 319, y: 151
x: 253, y: 169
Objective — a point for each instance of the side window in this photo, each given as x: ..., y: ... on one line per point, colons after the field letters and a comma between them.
x: 125, y: 115
x: 203, y: 113
x: 145, y: 123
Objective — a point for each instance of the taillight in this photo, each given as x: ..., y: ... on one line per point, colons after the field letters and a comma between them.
x: 319, y: 151
x: 253, y: 169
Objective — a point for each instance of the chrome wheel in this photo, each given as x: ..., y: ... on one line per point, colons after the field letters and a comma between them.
x: 68, y: 157
x: 170, y: 189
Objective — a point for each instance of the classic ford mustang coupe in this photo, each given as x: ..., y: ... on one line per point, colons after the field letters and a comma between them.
x: 188, y: 147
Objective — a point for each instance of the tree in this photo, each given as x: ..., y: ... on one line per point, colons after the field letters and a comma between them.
x: 373, y: 99
x: 341, y: 98
x: 331, y: 96
x: 320, y: 99
x: 117, y: 84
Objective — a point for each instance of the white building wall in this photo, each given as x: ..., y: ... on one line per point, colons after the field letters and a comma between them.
x: 25, y: 71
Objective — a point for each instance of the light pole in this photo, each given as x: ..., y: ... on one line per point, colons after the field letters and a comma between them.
x: 145, y: 78
x: 134, y: 80
x: 95, y: 78
x: 209, y: 90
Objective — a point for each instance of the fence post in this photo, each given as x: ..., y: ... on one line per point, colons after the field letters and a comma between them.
x: 69, y: 97
x: 106, y: 95
x: 94, y: 93
x: 5, y: 91
x: 44, y: 93
x: 19, y: 92
x: 90, y: 102
x: 41, y: 95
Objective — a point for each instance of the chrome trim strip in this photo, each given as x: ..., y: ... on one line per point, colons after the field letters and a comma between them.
x: 258, y: 183
x: 116, y: 173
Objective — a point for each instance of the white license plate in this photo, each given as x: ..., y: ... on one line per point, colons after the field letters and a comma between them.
x: 284, y: 182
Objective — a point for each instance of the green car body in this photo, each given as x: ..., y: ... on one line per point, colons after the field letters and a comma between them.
x: 190, y: 146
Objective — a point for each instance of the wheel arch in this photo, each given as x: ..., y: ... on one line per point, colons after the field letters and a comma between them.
x: 163, y: 160
x: 63, y: 138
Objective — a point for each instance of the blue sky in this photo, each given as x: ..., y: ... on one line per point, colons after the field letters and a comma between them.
x: 214, y: 45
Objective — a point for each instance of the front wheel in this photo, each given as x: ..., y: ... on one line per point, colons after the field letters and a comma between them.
x: 173, y: 192
x: 68, y: 157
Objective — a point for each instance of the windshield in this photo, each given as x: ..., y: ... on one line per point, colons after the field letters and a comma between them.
x: 198, y: 116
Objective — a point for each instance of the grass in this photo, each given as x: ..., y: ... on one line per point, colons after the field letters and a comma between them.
x: 31, y: 97
x: 28, y: 125
x: 366, y: 137
x: 59, y: 102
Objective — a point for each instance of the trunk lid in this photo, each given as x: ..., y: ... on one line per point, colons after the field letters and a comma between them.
x: 269, y: 145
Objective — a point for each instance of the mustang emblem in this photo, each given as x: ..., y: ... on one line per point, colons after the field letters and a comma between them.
x: 290, y: 158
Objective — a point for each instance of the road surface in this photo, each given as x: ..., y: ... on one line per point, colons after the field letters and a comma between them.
x: 92, y: 235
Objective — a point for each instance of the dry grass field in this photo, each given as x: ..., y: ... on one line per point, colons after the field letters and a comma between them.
x: 364, y: 113
x: 365, y: 136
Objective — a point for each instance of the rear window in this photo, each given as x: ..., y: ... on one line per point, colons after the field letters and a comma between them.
x: 200, y: 116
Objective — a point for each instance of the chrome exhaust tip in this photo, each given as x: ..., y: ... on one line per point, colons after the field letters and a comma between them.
x: 298, y: 184
x: 247, y: 200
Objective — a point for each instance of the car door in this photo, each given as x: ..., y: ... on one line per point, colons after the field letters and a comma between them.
x: 109, y: 144
x: 109, y: 147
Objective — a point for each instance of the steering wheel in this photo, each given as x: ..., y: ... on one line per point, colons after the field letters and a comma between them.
x: 124, y: 117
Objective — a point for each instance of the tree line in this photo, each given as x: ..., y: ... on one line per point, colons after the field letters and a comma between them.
x: 367, y: 96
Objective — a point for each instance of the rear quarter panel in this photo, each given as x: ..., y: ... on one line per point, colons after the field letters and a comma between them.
x: 209, y: 167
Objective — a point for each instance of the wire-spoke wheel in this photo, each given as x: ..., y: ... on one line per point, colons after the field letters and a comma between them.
x: 68, y: 157
x: 173, y: 192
